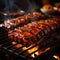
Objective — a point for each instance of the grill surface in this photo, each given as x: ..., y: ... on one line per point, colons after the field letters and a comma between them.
x: 13, y: 48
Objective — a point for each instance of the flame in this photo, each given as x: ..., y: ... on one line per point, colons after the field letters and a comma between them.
x: 56, y: 57
x: 37, y: 53
x: 33, y: 49
x: 44, y: 50
x: 33, y: 55
x: 24, y: 48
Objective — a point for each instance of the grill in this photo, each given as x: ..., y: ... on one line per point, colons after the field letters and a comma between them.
x: 12, y: 49
x: 32, y: 33
x: 21, y: 51
x: 47, y: 45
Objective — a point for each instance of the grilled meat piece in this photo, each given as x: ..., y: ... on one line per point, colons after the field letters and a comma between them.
x: 33, y: 32
x: 22, y: 20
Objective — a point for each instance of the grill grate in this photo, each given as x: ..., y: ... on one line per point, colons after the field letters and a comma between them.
x: 34, y: 50
x: 16, y: 48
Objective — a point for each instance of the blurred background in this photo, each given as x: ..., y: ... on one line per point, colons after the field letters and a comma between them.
x: 9, y: 7
x: 6, y: 5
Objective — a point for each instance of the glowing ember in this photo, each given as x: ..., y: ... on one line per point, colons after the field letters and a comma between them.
x: 59, y: 9
x: 18, y: 46
x: 33, y: 49
x: 13, y: 43
x: 24, y: 48
x: 37, y: 53
x: 47, y: 49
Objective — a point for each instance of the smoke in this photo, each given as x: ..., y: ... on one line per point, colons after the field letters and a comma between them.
x: 31, y: 6
x: 10, y: 6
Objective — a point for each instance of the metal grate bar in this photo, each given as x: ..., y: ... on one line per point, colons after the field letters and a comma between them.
x: 3, y: 40
x: 31, y: 53
x: 18, y: 48
x: 11, y: 46
x: 29, y: 48
x: 6, y: 43
x: 37, y: 44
